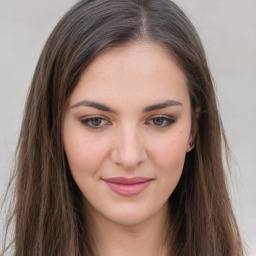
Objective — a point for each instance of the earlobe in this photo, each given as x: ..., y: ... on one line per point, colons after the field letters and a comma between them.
x: 191, y: 145
x: 192, y: 138
x: 191, y: 142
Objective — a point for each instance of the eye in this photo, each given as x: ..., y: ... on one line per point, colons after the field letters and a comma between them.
x: 95, y: 122
x: 161, y: 121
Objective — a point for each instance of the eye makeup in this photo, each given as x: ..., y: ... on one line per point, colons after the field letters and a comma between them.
x: 161, y: 121
x: 95, y: 122
x: 157, y: 121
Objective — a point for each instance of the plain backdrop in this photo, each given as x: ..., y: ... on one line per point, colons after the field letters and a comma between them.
x: 228, y: 31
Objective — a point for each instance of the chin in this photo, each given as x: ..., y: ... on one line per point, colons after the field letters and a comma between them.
x: 131, y: 215
x: 129, y: 218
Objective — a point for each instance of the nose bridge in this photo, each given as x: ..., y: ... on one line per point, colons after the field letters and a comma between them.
x: 129, y: 150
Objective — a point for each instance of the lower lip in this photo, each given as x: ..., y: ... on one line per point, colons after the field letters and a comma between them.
x: 128, y: 189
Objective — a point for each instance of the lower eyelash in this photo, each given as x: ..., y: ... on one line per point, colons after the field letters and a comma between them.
x: 169, y: 121
x: 87, y: 121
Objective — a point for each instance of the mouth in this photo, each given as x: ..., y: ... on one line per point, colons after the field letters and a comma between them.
x: 128, y: 186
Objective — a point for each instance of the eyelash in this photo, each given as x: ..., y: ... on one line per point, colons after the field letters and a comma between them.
x: 166, y: 121
x: 88, y: 122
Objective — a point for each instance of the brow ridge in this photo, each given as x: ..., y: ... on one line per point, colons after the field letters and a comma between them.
x: 105, y: 108
x: 94, y: 104
x: 162, y: 105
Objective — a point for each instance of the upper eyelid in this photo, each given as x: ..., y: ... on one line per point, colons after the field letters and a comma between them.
x: 161, y: 116
x: 107, y: 119
x: 169, y: 119
x: 86, y: 121
x: 88, y: 117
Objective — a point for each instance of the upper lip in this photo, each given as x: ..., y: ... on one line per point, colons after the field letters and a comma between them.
x: 127, y: 181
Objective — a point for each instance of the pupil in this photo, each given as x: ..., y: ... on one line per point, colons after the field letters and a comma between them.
x: 158, y: 121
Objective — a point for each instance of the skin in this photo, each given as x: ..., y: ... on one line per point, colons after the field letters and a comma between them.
x: 131, y: 140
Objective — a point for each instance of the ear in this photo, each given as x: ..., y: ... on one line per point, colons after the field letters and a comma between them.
x: 191, y: 140
x: 193, y: 132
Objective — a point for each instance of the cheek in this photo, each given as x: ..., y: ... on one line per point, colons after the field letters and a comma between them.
x: 169, y: 155
x: 84, y: 155
x: 169, y: 161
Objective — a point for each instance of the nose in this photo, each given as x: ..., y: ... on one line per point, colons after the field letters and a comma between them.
x: 128, y: 149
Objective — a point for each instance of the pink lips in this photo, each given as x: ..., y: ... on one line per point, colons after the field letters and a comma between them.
x: 128, y: 186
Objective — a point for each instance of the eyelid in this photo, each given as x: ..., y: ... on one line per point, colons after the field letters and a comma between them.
x: 86, y: 119
x: 167, y: 118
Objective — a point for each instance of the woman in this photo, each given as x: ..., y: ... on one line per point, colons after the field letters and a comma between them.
x: 120, y: 151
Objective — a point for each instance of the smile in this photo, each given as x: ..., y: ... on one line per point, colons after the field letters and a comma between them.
x: 127, y: 186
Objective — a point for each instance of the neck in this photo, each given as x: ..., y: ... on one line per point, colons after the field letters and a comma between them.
x: 143, y: 239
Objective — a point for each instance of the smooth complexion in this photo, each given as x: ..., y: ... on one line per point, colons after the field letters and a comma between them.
x: 126, y: 133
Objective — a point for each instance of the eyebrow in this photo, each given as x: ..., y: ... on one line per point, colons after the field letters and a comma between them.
x: 105, y: 108
x: 94, y: 104
x: 165, y: 104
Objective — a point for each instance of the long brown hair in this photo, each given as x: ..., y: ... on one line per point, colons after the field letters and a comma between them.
x: 47, y: 215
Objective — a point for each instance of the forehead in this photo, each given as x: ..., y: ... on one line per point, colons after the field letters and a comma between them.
x: 138, y: 71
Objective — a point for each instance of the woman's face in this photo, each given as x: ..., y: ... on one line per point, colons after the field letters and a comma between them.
x: 126, y: 132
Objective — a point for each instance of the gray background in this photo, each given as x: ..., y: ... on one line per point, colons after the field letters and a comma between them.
x: 228, y: 31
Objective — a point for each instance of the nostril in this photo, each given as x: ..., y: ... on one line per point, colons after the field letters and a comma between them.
x: 128, y: 156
